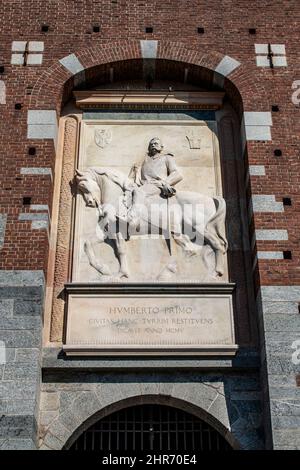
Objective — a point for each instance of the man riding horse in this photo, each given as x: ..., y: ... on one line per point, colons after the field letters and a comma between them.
x: 156, y: 177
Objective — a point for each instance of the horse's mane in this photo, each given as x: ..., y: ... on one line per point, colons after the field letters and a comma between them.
x: 113, y: 175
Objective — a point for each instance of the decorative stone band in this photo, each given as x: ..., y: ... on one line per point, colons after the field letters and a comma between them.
x: 265, y: 234
x: 42, y: 124
x: 270, y: 255
x: 36, y: 171
x: 257, y: 170
x: 265, y: 203
x: 34, y: 52
x: 278, y: 55
x: 3, y: 220
x: 271, y: 234
x: 39, y: 220
x: 2, y: 92
x: 256, y: 126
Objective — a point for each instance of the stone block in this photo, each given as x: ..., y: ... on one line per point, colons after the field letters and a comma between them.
x: 3, y: 219
x: 33, y: 216
x: 6, y: 308
x: 266, y: 203
x: 270, y: 255
x: 227, y: 65
x: 41, y: 117
x: 258, y: 133
x: 18, y: 46
x: 261, y: 48
x: 27, y: 308
x: 149, y: 49
x: 21, y: 338
x: 34, y: 59
x: 49, y: 401
x: 271, y: 234
x: 39, y: 225
x: 262, y: 61
x: 18, y: 444
x: 27, y: 355
x: 18, y: 389
x: 36, y: 46
x: 258, y: 118
x: 42, y: 131
x: 279, y: 61
x: 17, y: 426
x: 21, y: 371
x: 257, y: 170
x: 17, y: 59
x: 21, y: 278
x: 72, y: 63
x: 36, y: 171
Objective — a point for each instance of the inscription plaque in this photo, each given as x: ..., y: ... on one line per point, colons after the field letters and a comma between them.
x: 151, y: 324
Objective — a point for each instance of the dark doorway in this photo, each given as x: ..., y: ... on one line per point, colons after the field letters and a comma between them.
x: 151, y: 427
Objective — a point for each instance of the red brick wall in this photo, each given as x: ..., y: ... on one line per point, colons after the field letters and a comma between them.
x: 175, y: 23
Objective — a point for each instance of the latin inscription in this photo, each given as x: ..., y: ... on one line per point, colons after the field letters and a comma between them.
x: 150, y: 321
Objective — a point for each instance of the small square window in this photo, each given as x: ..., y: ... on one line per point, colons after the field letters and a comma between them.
x: 287, y: 201
x: 18, y: 106
x: 32, y: 151
x: 287, y: 254
x: 252, y: 31
x: 96, y: 29
x: 278, y: 152
x: 200, y: 30
x: 275, y: 108
x: 45, y: 28
x: 1, y: 68
x: 26, y: 201
x: 149, y: 29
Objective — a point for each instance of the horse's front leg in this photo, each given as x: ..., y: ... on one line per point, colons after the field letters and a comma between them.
x: 121, y: 253
x: 90, y: 253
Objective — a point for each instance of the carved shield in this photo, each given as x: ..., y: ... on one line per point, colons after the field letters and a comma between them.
x: 103, y: 137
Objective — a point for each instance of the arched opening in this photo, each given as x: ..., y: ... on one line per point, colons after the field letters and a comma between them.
x: 150, y: 427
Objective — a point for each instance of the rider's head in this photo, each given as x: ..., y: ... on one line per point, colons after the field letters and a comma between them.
x: 155, y: 146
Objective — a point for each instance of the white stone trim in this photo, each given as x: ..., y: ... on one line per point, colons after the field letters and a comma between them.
x: 266, y: 203
x: 36, y: 171
x: 257, y: 170
x: 272, y: 234
x: 2, y: 92
x: 18, y: 46
x: 256, y: 125
x: 34, y: 59
x: 17, y: 59
x: 42, y: 124
x: 36, y: 46
x: 270, y: 255
x: 278, y: 58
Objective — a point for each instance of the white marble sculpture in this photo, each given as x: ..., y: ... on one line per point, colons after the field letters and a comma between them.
x: 147, y: 200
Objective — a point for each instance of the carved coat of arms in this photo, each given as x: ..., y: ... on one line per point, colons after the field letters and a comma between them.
x: 103, y: 137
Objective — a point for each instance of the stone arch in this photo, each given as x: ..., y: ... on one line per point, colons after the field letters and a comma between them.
x: 48, y: 90
x: 204, y: 400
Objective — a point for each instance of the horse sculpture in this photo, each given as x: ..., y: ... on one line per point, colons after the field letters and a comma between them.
x: 110, y: 192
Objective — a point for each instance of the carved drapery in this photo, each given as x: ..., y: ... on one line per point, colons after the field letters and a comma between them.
x: 64, y: 228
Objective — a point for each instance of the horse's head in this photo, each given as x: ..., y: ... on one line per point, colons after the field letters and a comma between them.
x: 88, y: 188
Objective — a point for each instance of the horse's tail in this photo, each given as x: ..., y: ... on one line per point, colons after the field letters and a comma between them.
x: 217, y: 221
